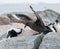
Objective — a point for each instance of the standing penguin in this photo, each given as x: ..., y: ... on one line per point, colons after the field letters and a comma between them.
x: 51, y: 28
x: 57, y: 25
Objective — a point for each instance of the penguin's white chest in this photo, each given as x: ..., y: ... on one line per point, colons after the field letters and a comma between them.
x: 51, y: 27
x: 57, y: 27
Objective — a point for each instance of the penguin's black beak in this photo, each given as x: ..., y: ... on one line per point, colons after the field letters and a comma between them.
x: 25, y: 26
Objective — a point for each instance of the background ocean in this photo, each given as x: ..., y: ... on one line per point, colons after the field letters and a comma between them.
x: 8, y: 8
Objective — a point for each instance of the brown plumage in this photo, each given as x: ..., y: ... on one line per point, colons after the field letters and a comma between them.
x: 37, y: 25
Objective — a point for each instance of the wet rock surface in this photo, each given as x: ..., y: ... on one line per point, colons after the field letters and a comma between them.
x: 21, y: 42
x: 51, y: 41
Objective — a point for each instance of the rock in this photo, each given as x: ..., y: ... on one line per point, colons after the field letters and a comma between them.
x: 20, y: 42
x: 4, y: 20
x: 49, y: 16
x: 51, y: 41
x: 38, y: 41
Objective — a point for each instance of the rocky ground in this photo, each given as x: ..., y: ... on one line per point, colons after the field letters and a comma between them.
x: 26, y: 31
x: 41, y: 41
x: 27, y: 39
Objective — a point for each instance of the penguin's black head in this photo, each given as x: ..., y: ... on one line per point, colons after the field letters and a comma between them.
x: 56, y: 21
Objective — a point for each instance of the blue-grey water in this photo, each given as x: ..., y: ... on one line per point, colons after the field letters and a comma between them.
x: 8, y: 8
